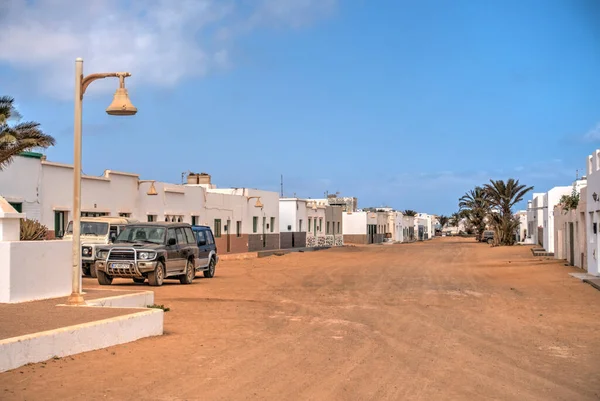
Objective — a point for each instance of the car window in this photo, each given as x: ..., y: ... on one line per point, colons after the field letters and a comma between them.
x: 189, y: 235
x: 209, y: 237
x: 200, y: 236
x: 181, y: 240
x: 171, y: 234
x: 143, y: 234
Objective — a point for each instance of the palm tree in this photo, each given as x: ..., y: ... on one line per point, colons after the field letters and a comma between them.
x: 503, y: 196
x: 474, y: 206
x: 20, y: 137
x: 443, y: 220
x: 409, y: 212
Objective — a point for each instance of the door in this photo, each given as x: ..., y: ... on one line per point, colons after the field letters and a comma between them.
x: 173, y: 258
x: 228, y: 235
x: 183, y: 250
x: 202, y: 240
x: 264, y: 232
x: 571, y: 247
x: 59, y: 223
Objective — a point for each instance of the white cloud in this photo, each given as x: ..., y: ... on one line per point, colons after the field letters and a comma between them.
x: 160, y: 42
x: 593, y: 134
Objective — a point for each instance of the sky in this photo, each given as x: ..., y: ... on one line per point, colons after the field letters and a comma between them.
x: 400, y: 103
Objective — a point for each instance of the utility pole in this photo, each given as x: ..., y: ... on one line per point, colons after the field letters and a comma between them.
x: 282, y: 185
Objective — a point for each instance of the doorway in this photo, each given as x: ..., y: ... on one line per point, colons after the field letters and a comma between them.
x: 228, y: 235
x: 571, y: 245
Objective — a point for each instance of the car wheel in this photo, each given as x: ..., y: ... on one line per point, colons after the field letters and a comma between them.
x: 157, y: 277
x: 139, y: 280
x: 210, y: 273
x: 103, y: 278
x: 93, y: 271
x: 190, y: 273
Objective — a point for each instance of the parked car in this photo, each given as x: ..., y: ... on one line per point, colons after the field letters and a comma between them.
x: 208, y: 258
x: 96, y: 231
x: 152, y: 251
x: 487, y: 236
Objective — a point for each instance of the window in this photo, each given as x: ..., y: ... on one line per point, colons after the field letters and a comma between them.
x: 320, y: 224
x: 255, y: 224
x: 272, y: 224
x: 151, y: 218
x: 124, y: 214
x: 60, y: 219
x: 189, y: 235
x: 264, y: 224
x: 209, y: 237
x: 18, y: 206
x: 181, y: 239
x: 194, y: 220
x: 338, y: 224
x: 200, y: 235
x: 93, y: 214
x: 217, y: 228
x: 300, y: 225
x: 170, y: 234
x: 238, y: 228
x: 113, y: 232
x: 327, y: 227
x: 309, y: 223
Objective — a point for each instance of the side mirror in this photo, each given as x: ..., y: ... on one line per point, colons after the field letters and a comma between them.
x: 172, y: 241
x: 202, y: 242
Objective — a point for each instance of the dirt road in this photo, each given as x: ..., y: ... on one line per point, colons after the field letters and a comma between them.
x: 444, y: 320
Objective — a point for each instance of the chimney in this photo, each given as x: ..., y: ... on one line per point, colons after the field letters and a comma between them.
x: 195, y: 178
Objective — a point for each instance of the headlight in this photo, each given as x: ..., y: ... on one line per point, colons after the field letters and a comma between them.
x: 102, y: 254
x: 86, y: 251
x: 146, y: 255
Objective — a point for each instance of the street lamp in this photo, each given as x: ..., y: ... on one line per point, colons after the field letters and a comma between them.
x: 120, y: 106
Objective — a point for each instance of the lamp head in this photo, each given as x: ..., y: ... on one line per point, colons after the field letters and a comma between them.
x: 152, y: 190
x: 121, y: 105
x: 258, y: 203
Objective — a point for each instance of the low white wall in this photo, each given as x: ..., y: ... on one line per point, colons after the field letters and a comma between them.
x: 137, y: 300
x: 33, y: 270
x: 38, y: 347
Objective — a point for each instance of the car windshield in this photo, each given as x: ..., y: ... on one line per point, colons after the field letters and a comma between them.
x: 154, y: 235
x: 90, y: 228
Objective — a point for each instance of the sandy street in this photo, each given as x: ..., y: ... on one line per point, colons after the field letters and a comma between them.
x: 449, y: 319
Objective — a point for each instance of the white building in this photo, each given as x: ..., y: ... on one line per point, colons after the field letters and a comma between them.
x: 423, y: 226
x: 242, y: 219
x: 293, y: 220
x: 593, y: 213
x: 363, y: 227
x: 535, y: 218
x: 521, y: 215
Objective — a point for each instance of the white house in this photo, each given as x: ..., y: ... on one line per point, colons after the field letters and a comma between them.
x: 362, y: 227
x: 551, y: 199
x: 423, y: 226
x: 521, y: 215
x: 593, y: 213
x: 242, y: 219
x: 535, y: 218
x: 293, y: 221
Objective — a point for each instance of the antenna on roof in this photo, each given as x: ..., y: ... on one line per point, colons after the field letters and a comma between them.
x: 282, y: 185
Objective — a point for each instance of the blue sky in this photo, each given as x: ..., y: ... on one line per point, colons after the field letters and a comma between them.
x: 403, y: 103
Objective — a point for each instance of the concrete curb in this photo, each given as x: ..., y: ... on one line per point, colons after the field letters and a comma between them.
x: 70, y: 340
x: 137, y: 300
x: 38, y: 347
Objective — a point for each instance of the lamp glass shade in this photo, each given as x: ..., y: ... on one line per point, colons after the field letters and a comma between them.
x: 152, y: 190
x: 121, y: 105
x: 258, y: 203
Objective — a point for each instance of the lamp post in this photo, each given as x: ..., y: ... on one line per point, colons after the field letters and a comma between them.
x: 120, y: 106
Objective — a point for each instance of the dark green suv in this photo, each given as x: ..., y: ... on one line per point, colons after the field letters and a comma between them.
x: 152, y: 251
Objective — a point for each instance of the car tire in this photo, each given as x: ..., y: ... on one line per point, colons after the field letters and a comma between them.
x: 210, y: 273
x: 190, y: 273
x: 139, y: 280
x: 93, y: 271
x: 103, y: 278
x: 157, y: 277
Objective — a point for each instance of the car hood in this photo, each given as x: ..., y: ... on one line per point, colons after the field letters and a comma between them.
x: 137, y: 245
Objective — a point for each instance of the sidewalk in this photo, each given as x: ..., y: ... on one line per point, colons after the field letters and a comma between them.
x: 39, y: 330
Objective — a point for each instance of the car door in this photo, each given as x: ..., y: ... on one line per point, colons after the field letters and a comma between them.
x: 182, y: 248
x: 173, y: 258
x: 202, y: 248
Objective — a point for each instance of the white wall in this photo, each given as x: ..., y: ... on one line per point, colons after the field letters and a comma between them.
x: 355, y: 223
x: 593, y: 213
x: 32, y: 270
x: 551, y: 199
